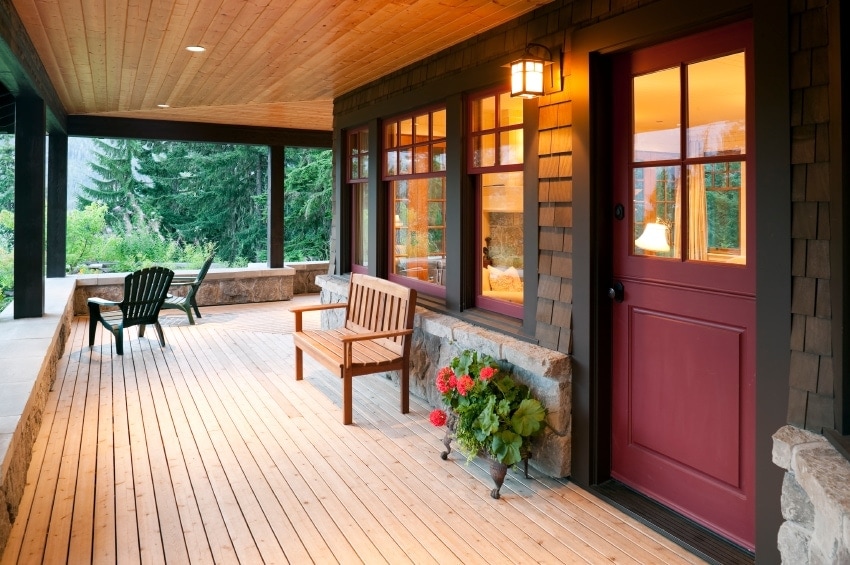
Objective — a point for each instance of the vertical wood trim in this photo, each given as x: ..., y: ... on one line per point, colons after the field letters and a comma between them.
x: 378, y: 206
x: 530, y: 218
x: 275, y: 240
x: 30, y: 130
x: 57, y: 204
x: 840, y: 217
x: 460, y: 236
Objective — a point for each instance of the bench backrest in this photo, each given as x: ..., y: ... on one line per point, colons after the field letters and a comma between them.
x: 377, y: 305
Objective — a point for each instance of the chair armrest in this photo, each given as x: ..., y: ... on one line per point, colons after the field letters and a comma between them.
x: 103, y: 301
x: 375, y: 335
x: 183, y: 283
x: 182, y: 280
x: 313, y: 307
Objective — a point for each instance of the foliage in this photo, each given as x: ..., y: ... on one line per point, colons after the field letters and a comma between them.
x: 86, y: 234
x: 308, y: 204
x: 493, y: 413
x: 7, y: 172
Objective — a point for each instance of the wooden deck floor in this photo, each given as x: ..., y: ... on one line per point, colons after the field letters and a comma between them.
x: 209, y: 451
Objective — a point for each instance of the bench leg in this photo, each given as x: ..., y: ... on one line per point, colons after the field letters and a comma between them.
x: 299, y: 364
x: 346, y: 398
x: 405, y: 389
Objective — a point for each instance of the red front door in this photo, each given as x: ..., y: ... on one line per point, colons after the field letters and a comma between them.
x: 683, y: 251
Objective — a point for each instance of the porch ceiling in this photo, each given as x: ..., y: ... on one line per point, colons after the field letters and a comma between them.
x: 267, y: 63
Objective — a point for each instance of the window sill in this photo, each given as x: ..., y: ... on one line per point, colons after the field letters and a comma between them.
x: 484, y: 318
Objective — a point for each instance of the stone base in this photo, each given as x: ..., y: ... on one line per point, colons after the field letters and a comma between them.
x: 815, y: 499
x: 220, y: 286
x: 438, y: 337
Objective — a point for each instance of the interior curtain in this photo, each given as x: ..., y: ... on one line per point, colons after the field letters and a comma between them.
x: 697, y: 215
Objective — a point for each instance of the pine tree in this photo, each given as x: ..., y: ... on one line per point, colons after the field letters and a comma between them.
x: 116, y: 184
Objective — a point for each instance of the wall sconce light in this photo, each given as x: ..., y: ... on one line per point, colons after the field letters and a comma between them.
x: 529, y: 73
x: 653, y: 238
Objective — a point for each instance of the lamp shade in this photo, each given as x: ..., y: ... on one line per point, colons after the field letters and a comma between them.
x: 527, y: 77
x: 653, y: 238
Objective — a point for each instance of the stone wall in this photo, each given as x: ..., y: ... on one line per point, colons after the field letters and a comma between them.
x: 437, y: 338
x: 815, y: 499
x: 221, y: 286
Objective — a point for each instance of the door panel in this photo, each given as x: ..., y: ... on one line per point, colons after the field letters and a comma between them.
x: 683, y: 337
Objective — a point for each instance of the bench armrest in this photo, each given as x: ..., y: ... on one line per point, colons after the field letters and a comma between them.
x: 312, y: 307
x: 375, y: 335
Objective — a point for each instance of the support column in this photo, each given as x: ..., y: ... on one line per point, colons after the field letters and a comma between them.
x: 275, y: 222
x: 30, y: 129
x: 57, y: 203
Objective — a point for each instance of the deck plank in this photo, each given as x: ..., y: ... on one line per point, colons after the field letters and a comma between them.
x: 208, y: 450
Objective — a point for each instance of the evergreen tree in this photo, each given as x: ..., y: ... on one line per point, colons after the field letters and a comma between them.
x: 207, y: 192
x: 116, y: 184
x: 307, y: 203
x: 7, y: 172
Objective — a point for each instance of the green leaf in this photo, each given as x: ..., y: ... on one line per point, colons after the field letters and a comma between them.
x: 528, y: 417
x: 506, y: 447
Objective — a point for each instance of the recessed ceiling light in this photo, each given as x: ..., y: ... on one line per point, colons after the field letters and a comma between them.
x: 163, y: 106
x: 196, y: 48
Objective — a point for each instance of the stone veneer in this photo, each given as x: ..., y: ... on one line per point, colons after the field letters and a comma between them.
x: 438, y: 337
x: 815, y: 499
x: 220, y: 286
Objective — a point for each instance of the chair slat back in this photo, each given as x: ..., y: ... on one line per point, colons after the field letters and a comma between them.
x: 378, y: 305
x: 144, y: 292
x: 200, y: 278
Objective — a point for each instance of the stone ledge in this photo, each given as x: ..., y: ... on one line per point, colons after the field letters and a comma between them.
x: 439, y: 337
x: 220, y: 286
x: 30, y: 350
x: 815, y: 498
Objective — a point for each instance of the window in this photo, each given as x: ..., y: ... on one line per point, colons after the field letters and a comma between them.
x: 358, y: 176
x: 415, y: 166
x: 496, y: 161
x: 693, y: 167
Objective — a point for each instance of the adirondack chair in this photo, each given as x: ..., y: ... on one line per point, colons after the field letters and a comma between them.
x: 187, y: 302
x: 144, y: 293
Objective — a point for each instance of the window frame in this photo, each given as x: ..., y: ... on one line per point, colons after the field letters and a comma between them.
x: 423, y: 287
x: 476, y: 173
x: 355, y: 184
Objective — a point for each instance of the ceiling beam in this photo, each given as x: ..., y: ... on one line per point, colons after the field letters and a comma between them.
x: 131, y: 128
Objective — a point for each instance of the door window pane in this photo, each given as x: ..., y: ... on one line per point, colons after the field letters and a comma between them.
x: 716, y: 212
x: 656, y: 205
x: 716, y: 107
x: 360, y: 205
x: 657, y: 116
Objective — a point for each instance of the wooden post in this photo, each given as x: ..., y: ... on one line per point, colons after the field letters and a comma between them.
x: 57, y: 204
x: 275, y: 221
x: 30, y: 129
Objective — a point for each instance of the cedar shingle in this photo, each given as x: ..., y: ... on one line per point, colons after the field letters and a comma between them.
x: 565, y: 341
x: 797, y: 407
x: 818, y: 336
x: 825, y: 377
x: 551, y: 239
x: 801, y: 69
x: 823, y: 302
x: 562, y: 140
x: 803, y: 144
x: 798, y: 258
x: 803, y: 296
x: 547, y: 335
x: 548, y: 117
x: 548, y: 287
x: 817, y: 264
x: 565, y: 168
x: 562, y: 315
x: 546, y: 215
x: 804, y: 220
x: 544, y: 263
x: 817, y: 182
x: 822, y: 143
x: 561, y: 191
x: 544, y: 310
x: 798, y: 332
x: 798, y: 183
x: 803, y: 372
x: 566, y: 291
x: 544, y: 142
x: 563, y: 215
x: 819, y: 413
x: 823, y: 220
x: 816, y: 105
x: 562, y: 265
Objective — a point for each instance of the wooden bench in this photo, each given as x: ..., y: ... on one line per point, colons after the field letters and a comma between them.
x: 375, y: 337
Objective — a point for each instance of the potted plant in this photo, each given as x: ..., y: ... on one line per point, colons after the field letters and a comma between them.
x: 489, y: 413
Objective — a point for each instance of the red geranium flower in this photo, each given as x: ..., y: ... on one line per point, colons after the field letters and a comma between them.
x: 487, y: 373
x: 464, y: 384
x: 438, y: 417
x: 444, y: 380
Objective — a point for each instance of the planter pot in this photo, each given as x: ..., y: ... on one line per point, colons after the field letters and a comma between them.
x: 497, y: 470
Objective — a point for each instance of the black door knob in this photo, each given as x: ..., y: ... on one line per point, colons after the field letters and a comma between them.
x: 617, y: 292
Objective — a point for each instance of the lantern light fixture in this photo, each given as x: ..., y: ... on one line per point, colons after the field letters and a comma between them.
x: 528, y: 73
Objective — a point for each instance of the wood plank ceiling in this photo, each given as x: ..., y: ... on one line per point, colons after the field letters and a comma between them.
x: 267, y: 62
